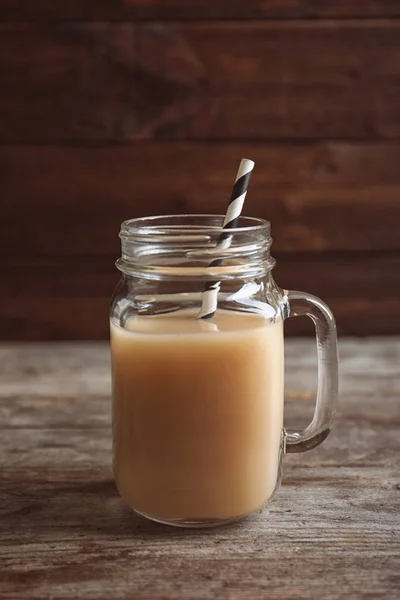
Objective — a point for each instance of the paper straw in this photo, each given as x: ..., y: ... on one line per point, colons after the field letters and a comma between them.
x: 209, y: 297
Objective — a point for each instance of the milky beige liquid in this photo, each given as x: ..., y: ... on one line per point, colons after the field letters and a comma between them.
x: 197, y: 414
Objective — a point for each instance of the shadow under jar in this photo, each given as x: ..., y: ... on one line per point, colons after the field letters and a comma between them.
x: 198, y: 433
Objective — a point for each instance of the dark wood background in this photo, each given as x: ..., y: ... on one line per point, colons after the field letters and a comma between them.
x: 115, y: 109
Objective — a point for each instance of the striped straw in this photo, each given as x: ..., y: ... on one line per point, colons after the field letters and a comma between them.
x: 209, y: 297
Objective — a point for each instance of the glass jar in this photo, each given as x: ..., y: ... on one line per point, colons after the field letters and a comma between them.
x: 198, y: 433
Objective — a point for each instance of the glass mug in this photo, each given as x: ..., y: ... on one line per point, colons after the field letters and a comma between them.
x: 198, y: 434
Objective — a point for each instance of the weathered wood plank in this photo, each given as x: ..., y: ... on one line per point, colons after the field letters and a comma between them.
x: 332, y: 530
x: 55, y: 404
x: 201, y: 9
x: 300, y: 549
x: 269, y: 570
x: 55, y: 371
x: 220, y: 80
x: 76, y: 369
x: 63, y: 411
x: 38, y: 303
x: 318, y: 197
x: 86, y: 447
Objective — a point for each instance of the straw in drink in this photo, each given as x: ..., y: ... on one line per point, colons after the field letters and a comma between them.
x: 209, y: 299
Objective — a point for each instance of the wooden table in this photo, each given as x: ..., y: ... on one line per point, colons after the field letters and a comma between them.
x: 332, y: 532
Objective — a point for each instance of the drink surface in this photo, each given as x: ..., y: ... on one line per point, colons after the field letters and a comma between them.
x: 197, y: 413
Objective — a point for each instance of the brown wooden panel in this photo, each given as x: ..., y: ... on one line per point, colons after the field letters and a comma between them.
x: 69, y: 300
x: 201, y: 9
x: 323, y: 196
x: 219, y: 80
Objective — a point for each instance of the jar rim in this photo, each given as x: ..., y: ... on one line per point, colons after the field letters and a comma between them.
x: 186, y: 245
x: 186, y: 223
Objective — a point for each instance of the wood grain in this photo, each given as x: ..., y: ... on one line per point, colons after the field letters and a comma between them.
x: 332, y: 530
x: 119, y: 109
x: 52, y: 300
x: 319, y: 197
x: 107, y: 81
x: 201, y: 9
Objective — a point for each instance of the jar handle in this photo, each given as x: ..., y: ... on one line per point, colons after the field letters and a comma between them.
x: 301, y: 303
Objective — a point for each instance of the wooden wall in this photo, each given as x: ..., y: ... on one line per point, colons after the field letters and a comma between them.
x: 114, y: 109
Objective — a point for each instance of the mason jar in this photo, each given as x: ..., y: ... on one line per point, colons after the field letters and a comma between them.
x: 198, y: 432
